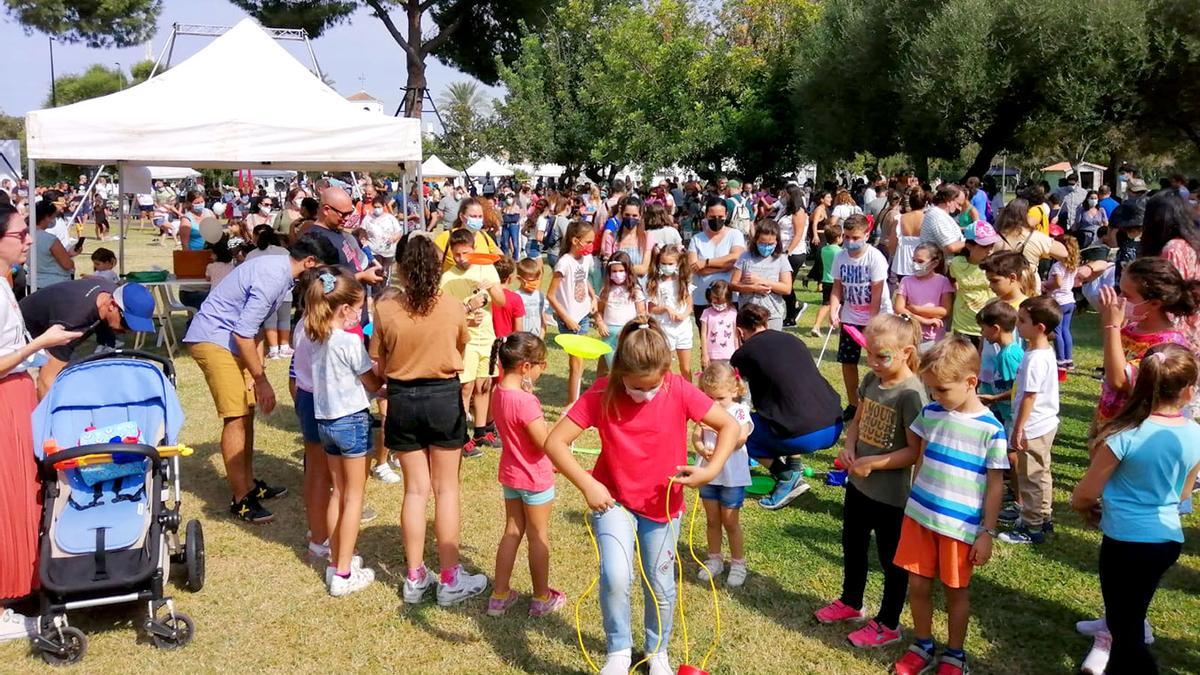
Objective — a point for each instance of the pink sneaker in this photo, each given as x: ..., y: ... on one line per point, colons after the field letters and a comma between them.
x: 543, y: 607
x: 498, y: 606
x: 838, y: 611
x: 874, y: 634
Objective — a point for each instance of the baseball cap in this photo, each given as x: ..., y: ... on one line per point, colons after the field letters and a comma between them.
x: 137, y: 307
x: 1136, y: 185
x: 733, y: 184
x: 980, y: 232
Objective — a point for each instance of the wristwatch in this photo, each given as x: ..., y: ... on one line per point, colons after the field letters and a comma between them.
x: 991, y: 532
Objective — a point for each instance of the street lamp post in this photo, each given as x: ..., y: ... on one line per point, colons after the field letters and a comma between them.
x: 53, y: 85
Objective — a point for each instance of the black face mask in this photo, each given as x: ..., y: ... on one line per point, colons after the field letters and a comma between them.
x: 715, y: 224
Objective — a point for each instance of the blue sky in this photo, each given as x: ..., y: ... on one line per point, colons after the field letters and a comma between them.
x: 359, y: 48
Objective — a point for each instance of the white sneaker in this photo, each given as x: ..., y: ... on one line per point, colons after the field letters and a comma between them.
x: 1094, y: 626
x: 318, y: 552
x: 464, y: 587
x: 14, y: 626
x: 359, y: 579
x: 1097, y: 659
x: 356, y: 563
x: 273, y: 353
x: 712, y: 568
x: 660, y: 665
x: 286, y: 351
x: 414, y: 591
x: 617, y: 663
x: 386, y: 474
x: 737, y: 574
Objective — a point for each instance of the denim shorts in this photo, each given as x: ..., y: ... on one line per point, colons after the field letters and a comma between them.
x: 529, y: 497
x: 585, y: 324
x: 348, y: 436
x: 730, y: 497
x: 306, y: 413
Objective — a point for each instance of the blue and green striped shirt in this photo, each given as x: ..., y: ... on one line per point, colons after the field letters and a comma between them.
x: 947, y: 494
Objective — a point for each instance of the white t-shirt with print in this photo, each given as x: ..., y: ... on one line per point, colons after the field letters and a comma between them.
x: 620, y: 306
x: 857, y: 275
x: 572, y: 292
x: 736, y: 472
x: 337, y: 366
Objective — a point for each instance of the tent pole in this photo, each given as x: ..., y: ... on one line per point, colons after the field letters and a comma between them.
x: 166, y: 47
x: 31, y: 278
x: 404, y: 196
x: 421, y: 196
x: 86, y: 195
x: 313, y: 56
x: 121, y: 224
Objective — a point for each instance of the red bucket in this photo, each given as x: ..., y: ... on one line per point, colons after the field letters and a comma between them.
x: 1062, y: 374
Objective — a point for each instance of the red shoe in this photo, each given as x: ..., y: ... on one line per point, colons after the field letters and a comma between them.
x: 838, y: 611
x: 874, y: 634
x: 915, y: 661
x: 950, y: 665
x: 471, y: 449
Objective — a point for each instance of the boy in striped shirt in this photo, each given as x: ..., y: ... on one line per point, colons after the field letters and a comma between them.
x: 950, y: 518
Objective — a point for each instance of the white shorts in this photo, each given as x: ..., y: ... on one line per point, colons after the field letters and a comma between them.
x: 678, y: 336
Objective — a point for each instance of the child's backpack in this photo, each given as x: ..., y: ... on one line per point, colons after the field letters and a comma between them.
x: 740, y: 219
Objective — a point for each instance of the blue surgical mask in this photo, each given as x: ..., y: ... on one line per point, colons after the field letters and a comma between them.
x: 766, y: 250
x: 853, y: 245
x: 197, y: 208
x: 475, y: 224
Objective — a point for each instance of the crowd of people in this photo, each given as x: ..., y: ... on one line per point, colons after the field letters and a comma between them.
x: 961, y: 299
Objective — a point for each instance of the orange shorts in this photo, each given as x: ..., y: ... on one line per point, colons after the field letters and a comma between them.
x: 928, y: 554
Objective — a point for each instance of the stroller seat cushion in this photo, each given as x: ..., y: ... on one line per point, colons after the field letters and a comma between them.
x: 122, y: 432
x: 123, y: 515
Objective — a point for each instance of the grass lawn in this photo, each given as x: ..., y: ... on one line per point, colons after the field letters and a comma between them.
x: 264, y: 609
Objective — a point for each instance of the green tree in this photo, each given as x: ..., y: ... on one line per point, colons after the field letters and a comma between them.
x: 970, y: 71
x: 97, y: 80
x: 470, y: 34
x: 463, y: 97
x: 97, y: 23
x: 610, y: 83
x: 470, y: 126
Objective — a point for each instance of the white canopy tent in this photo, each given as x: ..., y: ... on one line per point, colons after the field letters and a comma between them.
x: 434, y: 167
x: 172, y: 172
x: 486, y: 165
x: 318, y: 129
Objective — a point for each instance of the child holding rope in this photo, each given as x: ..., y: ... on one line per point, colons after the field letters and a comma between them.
x: 641, y: 412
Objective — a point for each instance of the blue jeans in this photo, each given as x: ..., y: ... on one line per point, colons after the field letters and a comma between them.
x: 1064, y: 343
x: 348, y: 436
x: 764, y: 444
x: 510, y: 239
x: 615, y: 530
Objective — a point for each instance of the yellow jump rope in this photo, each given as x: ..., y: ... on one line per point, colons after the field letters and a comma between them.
x: 645, y: 579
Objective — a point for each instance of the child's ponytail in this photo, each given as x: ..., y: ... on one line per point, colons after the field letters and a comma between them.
x: 1165, y: 371
x: 330, y: 289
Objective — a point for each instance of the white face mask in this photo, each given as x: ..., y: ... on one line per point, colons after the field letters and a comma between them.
x: 377, y: 211
x: 720, y: 308
x: 640, y: 396
x: 920, y: 269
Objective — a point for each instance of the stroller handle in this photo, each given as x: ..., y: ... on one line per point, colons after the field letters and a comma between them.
x: 167, y: 365
x: 47, y: 462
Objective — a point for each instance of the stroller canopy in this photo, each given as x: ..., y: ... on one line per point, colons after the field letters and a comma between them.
x: 107, y: 392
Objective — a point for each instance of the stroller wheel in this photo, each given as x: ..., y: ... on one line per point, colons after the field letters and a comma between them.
x: 193, y: 548
x: 69, y: 651
x: 178, y: 630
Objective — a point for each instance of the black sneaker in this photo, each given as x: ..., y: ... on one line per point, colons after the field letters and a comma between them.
x: 1048, y: 527
x: 849, y: 412
x: 249, y: 510
x: 263, y: 491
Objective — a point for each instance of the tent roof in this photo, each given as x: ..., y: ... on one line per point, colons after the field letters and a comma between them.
x: 436, y: 168
x: 163, y: 122
x: 487, y: 165
x: 171, y: 172
x: 1066, y: 167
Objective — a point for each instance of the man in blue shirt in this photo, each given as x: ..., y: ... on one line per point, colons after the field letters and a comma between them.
x: 1106, y: 201
x: 222, y: 340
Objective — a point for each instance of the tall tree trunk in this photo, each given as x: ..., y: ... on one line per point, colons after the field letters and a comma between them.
x: 414, y: 96
x: 1114, y: 167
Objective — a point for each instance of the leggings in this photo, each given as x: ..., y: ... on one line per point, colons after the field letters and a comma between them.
x: 789, y: 299
x: 1129, y: 576
x: 1064, y: 343
x: 862, y: 515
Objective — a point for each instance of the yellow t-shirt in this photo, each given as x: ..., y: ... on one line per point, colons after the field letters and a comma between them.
x: 483, y: 244
x: 971, y: 293
x: 463, y: 284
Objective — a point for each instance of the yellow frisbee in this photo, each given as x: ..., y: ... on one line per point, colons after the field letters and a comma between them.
x: 582, y: 346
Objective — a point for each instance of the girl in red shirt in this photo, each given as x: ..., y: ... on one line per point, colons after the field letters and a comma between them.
x: 641, y: 412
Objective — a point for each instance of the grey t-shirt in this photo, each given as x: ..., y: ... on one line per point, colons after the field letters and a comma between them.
x: 768, y: 268
x: 887, y: 413
x: 449, y: 207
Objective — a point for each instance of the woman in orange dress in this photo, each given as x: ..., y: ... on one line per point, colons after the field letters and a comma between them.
x: 20, y: 494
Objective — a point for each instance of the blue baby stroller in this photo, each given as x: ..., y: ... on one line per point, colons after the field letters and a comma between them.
x: 111, y: 499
